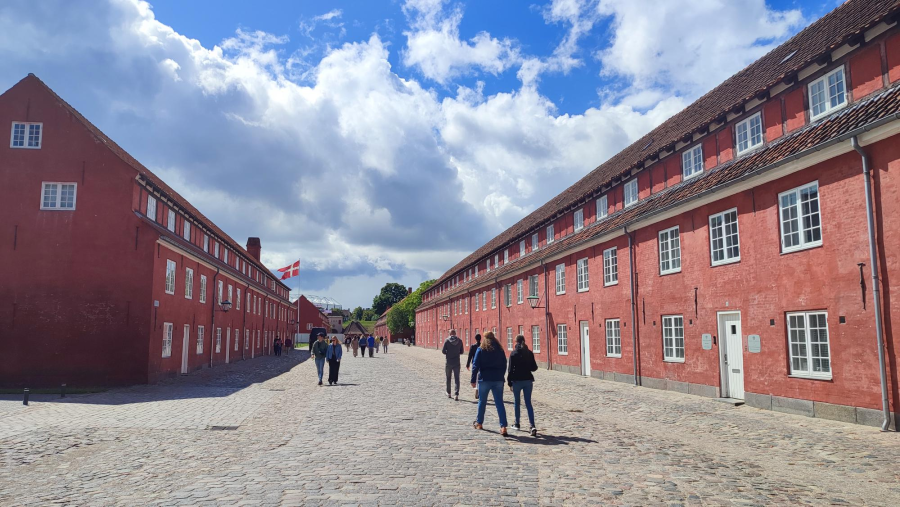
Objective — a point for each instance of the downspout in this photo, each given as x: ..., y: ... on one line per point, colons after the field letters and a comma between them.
x: 212, y: 331
x: 631, y: 287
x: 876, y: 291
x: 468, y: 298
x: 265, y: 314
x: 244, y: 325
x: 547, y: 315
x: 499, y: 315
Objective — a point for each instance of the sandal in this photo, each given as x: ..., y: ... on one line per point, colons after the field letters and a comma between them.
x: 476, y: 425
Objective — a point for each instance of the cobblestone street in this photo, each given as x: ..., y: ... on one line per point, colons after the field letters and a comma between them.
x: 388, y: 435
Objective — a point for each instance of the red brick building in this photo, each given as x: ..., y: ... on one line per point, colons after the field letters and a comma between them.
x: 382, y: 330
x: 109, y: 277
x: 310, y: 315
x: 727, y: 253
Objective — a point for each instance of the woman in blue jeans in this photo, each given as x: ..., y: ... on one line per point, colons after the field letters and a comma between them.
x: 521, y: 364
x: 488, y: 368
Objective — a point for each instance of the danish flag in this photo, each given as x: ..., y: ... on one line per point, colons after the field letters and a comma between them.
x: 290, y: 271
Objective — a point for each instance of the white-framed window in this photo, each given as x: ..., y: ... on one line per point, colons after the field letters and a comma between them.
x: 58, y: 196
x: 219, y: 292
x: 151, y: 207
x: 237, y: 300
x: 522, y: 248
x: 692, y: 161
x: 167, y: 340
x: 613, y: 338
x: 496, y: 260
x: 187, y: 334
x: 506, y: 256
x: 560, y: 279
x: 749, y: 134
x: 579, y: 219
x: 26, y: 135
x: 200, y: 331
x: 801, y: 225
x: 827, y: 94
x: 535, y: 242
x: 562, y: 340
x: 476, y: 271
x: 188, y: 283
x: 170, y: 277
x: 494, y: 298
x: 203, y: 288
x: 631, y: 192
x: 218, y: 340
x: 484, y: 301
x: 225, y: 259
x: 487, y: 266
x: 669, y: 251
x: 673, y: 338
x: 171, y: 222
x: 533, y: 286
x: 509, y: 338
x: 186, y: 231
x: 216, y: 249
x: 206, y: 243
x: 520, y: 292
x: 602, y: 207
x: 809, y: 345
x: 467, y: 305
x: 237, y: 338
x: 535, y: 338
x: 610, y: 267
x: 581, y: 272
x: 551, y: 236
x: 507, y: 295
x: 476, y: 301
x: 724, y: 243
x: 247, y: 338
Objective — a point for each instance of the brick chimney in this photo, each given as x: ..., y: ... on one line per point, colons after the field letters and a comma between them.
x: 253, y: 247
x: 408, y: 291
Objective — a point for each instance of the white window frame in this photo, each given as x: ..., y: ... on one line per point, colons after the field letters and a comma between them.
x: 237, y: 300
x: 807, y: 344
x: 602, y: 207
x: 188, y: 283
x: 506, y: 256
x: 712, y: 250
x: 496, y: 260
x: 631, y: 192
x: 692, y: 162
x: 746, y: 124
x: 477, y: 298
x: 829, y: 109
x: 476, y: 271
x: 26, y: 135
x: 562, y: 340
x: 560, y: 279
x: 151, y: 207
x: 186, y: 230
x: 522, y: 248
x: 200, y: 332
x: 509, y: 338
x: 669, y: 251
x: 581, y: 272
x: 670, y: 353
x: 803, y: 244
x: 216, y: 249
x: 219, y: 291
x: 170, y: 224
x: 168, y: 329
x: 550, y: 234
x: 613, y: 338
x: 533, y: 287
x: 535, y: 242
x: 579, y: 219
x: 170, y: 276
x: 493, y: 298
x: 218, y: 340
x: 203, y: 288
x: 610, y: 267
x: 206, y: 243
x: 507, y: 295
x: 535, y: 338
x: 57, y: 200
x: 520, y: 292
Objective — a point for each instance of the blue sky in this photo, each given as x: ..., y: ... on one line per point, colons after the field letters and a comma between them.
x: 381, y: 141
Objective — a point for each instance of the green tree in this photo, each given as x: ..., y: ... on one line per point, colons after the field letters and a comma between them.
x: 357, y: 313
x: 391, y: 294
x: 403, y: 314
x: 369, y: 314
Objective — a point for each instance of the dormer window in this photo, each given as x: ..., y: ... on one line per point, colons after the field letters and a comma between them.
x: 171, y: 221
x: 506, y: 256
x: 186, y: 233
x: 748, y: 134
x: 579, y: 220
x: 631, y: 192
x: 535, y: 241
x: 26, y: 135
x: 827, y: 94
x: 522, y: 248
x: 551, y: 235
x: 602, y: 207
x: 692, y: 162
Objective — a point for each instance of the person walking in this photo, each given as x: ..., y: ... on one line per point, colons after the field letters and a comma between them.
x: 319, y: 349
x: 453, y: 349
x: 472, y: 349
x: 371, y: 343
x: 347, y: 342
x: 488, y: 367
x: 363, y: 343
x: 354, y: 343
x: 385, y: 344
x: 288, y: 345
x: 333, y: 355
x: 277, y: 345
x: 377, y: 344
x: 521, y: 380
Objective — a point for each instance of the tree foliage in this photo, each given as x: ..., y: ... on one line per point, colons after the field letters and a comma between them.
x: 369, y: 314
x: 391, y: 294
x: 402, y: 316
x: 357, y: 313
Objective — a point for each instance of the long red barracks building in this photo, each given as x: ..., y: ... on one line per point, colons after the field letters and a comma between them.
x: 107, y: 275
x: 744, y: 248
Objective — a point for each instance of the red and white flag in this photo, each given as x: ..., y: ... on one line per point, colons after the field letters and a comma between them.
x: 290, y: 271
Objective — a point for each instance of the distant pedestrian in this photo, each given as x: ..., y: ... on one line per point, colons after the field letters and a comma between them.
x: 453, y: 349
x: 347, y: 342
x: 277, y: 346
x: 371, y: 343
x: 288, y: 345
x: 377, y: 344
x: 521, y: 380
x: 472, y: 349
x: 488, y: 367
x: 363, y: 343
x: 319, y: 349
x: 385, y: 344
x: 354, y: 343
x: 333, y: 355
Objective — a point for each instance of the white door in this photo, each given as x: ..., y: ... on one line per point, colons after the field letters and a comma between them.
x: 184, y: 349
x: 731, y: 347
x: 585, y: 348
x: 227, y: 345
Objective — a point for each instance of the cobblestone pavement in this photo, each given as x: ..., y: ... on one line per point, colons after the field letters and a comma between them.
x: 261, y: 433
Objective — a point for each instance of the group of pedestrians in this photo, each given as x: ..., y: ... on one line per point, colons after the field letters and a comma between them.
x: 366, y: 342
x: 488, y: 365
x: 330, y: 351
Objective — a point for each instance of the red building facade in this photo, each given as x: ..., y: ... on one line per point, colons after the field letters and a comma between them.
x: 109, y: 276
x: 727, y: 252
x: 382, y: 330
x: 310, y: 315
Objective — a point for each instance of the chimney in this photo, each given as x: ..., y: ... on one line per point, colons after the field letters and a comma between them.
x: 408, y: 291
x: 253, y: 247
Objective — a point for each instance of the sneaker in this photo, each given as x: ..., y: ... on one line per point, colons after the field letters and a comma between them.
x: 456, y: 398
x: 503, y: 431
x: 517, y: 427
x: 533, y: 431
x: 320, y: 382
x: 476, y: 426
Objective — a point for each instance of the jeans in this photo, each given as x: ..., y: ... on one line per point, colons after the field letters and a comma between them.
x: 523, y: 387
x: 496, y: 389
x: 320, y: 367
x: 371, y: 351
x: 452, y: 369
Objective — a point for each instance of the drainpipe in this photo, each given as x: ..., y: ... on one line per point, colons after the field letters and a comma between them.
x: 244, y: 326
x: 499, y: 315
x: 547, y: 315
x: 212, y: 331
x: 876, y: 292
x: 631, y: 286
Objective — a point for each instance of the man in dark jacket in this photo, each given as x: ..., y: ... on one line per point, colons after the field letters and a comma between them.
x: 318, y: 350
x: 472, y: 349
x: 453, y: 349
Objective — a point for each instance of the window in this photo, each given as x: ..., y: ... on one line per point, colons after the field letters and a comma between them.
x: 247, y: 338
x: 519, y: 291
x: 669, y: 251
x: 188, y: 283
x: 613, y: 338
x: 476, y: 271
x: 151, y: 207
x: 562, y: 340
x: 581, y: 272
x: 58, y: 196
x: 560, y: 279
x: 218, y: 340
x: 723, y: 237
x: 467, y: 305
x: 827, y: 94
x: 200, y: 332
x: 602, y: 208
x: 749, y: 134
x: 170, y: 277
x: 225, y: 258
x: 216, y: 249
x: 32, y: 140
x: 494, y: 298
x: 237, y: 338
x: 533, y: 286
x: 509, y: 338
x: 800, y: 223
x: 536, y: 338
x: 610, y: 267
x: 692, y: 161
x: 484, y: 301
x: 238, y: 299
x: 522, y: 248
x: 476, y: 301
x: 808, y: 340
x: 673, y: 338
x: 186, y: 232
x: 167, y: 340
x: 579, y: 220
x: 487, y: 265
x: 496, y: 260
x: 631, y: 192
x: 550, y: 234
x: 535, y: 242
x: 202, y: 288
x: 506, y: 256
x: 507, y: 295
x: 171, y: 223
x: 219, y: 292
